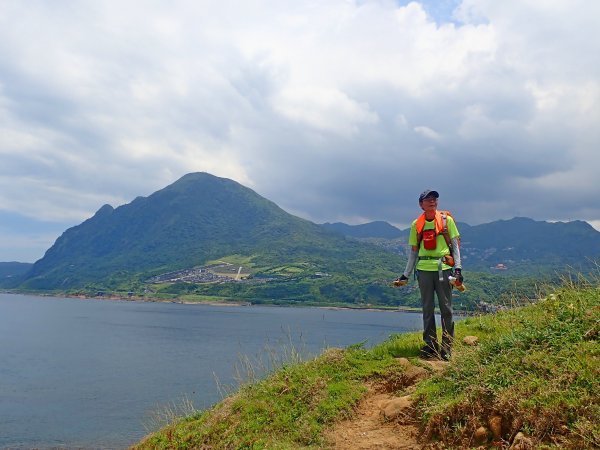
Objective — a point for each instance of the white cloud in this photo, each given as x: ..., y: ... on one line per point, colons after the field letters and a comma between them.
x: 324, y: 109
x: 428, y: 133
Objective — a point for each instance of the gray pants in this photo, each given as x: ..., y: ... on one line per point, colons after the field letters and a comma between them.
x: 429, y: 283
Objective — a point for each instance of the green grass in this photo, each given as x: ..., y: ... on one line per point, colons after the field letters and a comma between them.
x: 237, y: 260
x: 538, y: 367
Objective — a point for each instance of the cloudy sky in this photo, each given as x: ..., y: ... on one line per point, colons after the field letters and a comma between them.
x: 336, y: 110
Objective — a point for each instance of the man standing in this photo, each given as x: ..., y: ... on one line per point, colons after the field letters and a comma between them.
x: 434, y: 242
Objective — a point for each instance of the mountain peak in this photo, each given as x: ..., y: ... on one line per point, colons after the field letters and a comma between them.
x: 105, y: 210
x: 202, y: 177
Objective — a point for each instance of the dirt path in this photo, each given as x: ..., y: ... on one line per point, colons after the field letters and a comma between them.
x: 382, y: 419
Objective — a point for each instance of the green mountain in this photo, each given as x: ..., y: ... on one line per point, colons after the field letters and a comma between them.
x: 202, y: 219
x: 519, y: 245
x: 525, y: 245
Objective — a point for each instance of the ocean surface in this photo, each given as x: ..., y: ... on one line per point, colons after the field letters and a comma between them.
x: 100, y: 374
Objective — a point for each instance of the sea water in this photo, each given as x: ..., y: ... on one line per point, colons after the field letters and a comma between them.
x: 99, y: 374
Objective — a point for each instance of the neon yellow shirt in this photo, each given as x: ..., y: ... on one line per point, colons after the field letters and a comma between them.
x: 441, y: 248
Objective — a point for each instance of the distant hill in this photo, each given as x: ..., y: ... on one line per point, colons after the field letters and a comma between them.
x: 525, y: 242
x: 202, y: 218
x: 378, y: 229
x: 519, y: 244
x: 11, y: 272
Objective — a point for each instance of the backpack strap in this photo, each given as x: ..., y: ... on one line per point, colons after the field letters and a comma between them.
x: 419, y: 239
x: 445, y: 231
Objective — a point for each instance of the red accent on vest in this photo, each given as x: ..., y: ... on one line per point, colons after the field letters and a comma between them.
x: 440, y: 227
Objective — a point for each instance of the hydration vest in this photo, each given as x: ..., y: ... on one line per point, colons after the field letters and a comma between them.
x: 441, y: 227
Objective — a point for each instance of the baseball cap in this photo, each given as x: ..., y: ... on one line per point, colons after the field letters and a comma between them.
x: 428, y: 193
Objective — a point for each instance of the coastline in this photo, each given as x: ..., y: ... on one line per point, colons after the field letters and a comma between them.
x: 210, y: 302
x: 229, y: 302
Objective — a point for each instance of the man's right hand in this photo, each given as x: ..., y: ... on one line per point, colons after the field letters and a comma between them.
x: 459, y: 276
x: 402, y: 281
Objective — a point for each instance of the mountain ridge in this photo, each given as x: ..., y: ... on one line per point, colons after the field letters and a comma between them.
x: 376, y: 229
x: 139, y: 224
x: 514, y: 242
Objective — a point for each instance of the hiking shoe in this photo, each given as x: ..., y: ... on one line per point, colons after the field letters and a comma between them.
x: 428, y: 352
x: 445, y: 356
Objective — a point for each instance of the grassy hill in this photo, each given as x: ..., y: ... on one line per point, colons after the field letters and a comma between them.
x: 534, y: 372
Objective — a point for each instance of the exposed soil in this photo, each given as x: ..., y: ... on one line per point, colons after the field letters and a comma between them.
x: 373, y: 426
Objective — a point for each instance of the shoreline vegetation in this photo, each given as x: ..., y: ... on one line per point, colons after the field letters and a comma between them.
x: 527, y: 378
x: 215, y: 301
x: 210, y: 301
